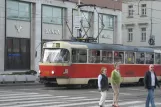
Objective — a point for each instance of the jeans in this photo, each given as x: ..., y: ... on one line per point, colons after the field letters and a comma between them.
x: 150, y: 98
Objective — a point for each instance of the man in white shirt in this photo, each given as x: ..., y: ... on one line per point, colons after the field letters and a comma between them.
x: 150, y: 82
x: 103, y: 86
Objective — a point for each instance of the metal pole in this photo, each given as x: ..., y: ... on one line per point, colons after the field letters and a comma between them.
x: 79, y: 35
x: 78, y: 7
x: 138, y: 6
x: 151, y: 21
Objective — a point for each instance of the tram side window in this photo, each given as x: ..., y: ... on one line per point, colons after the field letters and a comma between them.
x: 119, y: 57
x: 129, y: 57
x: 65, y: 55
x: 157, y: 58
x: 140, y: 58
x: 107, y: 57
x: 94, y: 56
x: 149, y: 58
x: 79, y: 56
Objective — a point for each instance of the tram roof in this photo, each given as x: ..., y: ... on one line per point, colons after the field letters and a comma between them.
x: 118, y: 47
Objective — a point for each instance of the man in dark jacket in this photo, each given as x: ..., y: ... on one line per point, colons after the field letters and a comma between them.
x: 150, y: 82
x: 103, y: 86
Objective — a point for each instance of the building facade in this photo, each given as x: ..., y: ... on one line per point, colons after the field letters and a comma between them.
x: 26, y: 24
x: 141, y: 22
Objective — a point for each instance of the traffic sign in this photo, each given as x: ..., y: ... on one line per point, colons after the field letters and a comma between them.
x: 151, y: 41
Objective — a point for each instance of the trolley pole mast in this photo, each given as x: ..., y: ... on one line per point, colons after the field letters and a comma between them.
x: 78, y: 30
x: 151, y: 21
x: 78, y: 19
x: 152, y: 37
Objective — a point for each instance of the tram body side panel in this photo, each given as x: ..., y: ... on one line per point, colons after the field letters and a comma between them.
x: 82, y: 73
x: 134, y: 72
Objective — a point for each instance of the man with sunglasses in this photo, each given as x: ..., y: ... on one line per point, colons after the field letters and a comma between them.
x: 150, y: 82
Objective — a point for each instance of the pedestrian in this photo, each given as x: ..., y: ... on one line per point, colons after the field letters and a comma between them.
x: 103, y: 86
x: 150, y: 82
x: 115, y: 82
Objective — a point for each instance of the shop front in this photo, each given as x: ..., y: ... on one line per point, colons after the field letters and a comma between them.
x: 17, y: 46
x: 52, y: 23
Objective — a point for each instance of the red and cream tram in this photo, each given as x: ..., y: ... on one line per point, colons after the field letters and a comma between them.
x: 76, y: 63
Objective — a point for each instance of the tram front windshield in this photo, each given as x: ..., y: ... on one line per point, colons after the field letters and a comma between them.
x: 55, y: 55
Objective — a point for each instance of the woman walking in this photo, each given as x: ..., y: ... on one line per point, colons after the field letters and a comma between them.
x: 115, y: 82
x: 103, y: 86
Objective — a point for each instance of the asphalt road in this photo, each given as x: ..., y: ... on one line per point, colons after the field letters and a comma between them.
x: 40, y: 96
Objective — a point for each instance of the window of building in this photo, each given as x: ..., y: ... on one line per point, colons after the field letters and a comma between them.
x: 86, y: 17
x: 157, y: 58
x: 17, y: 54
x: 94, y: 56
x: 79, y: 55
x: 106, y: 21
x: 18, y: 10
x: 130, y: 10
x: 143, y: 9
x: 107, y: 57
x: 143, y: 34
x: 130, y: 35
x: 111, y: 22
x: 52, y: 15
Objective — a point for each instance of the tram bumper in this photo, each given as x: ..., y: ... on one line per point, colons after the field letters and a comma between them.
x: 55, y: 80
x: 47, y: 80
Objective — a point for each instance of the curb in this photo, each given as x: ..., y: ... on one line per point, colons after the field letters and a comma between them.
x: 21, y: 84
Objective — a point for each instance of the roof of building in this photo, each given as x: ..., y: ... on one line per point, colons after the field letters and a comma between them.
x: 111, y: 4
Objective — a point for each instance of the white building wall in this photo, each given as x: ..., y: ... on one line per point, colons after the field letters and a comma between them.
x: 137, y: 22
x: 118, y: 32
x: 37, y: 43
x: 36, y: 27
x: 2, y: 33
x: 157, y: 22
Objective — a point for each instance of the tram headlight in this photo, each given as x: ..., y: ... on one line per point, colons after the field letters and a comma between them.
x: 52, y: 72
x: 39, y: 71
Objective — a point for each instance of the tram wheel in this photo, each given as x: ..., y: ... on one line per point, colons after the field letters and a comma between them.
x: 92, y: 84
x: 84, y: 86
x: 141, y: 82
